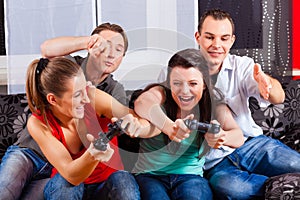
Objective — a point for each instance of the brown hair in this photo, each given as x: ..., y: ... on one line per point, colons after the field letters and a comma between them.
x: 211, y: 96
x: 217, y: 14
x: 188, y: 58
x: 48, y: 76
x: 115, y: 28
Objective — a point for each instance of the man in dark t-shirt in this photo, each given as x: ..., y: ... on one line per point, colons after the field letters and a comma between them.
x: 106, y: 48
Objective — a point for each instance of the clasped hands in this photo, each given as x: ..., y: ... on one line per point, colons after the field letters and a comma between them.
x: 130, y: 125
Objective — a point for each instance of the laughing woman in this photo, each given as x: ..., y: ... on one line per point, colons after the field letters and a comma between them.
x: 173, y: 169
x: 63, y: 109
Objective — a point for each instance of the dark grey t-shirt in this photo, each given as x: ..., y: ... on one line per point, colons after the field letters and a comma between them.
x: 108, y: 85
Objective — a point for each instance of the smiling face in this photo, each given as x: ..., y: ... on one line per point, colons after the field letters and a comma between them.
x: 215, y: 41
x: 187, y: 86
x: 71, y: 104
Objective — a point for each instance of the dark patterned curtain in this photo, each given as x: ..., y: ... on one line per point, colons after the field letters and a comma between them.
x: 263, y: 31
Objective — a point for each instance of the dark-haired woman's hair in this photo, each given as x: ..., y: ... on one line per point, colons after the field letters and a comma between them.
x: 190, y: 58
x: 115, y: 28
x: 48, y: 76
x: 211, y: 96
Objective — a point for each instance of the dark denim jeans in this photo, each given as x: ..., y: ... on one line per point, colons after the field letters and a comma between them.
x: 242, y: 174
x: 20, y: 168
x: 119, y: 185
x: 179, y: 187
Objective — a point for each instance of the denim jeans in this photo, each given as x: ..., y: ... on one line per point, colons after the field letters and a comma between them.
x: 242, y: 174
x: 119, y: 185
x: 20, y: 168
x: 185, y: 186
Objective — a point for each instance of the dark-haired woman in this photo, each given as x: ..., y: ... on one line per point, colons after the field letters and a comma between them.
x: 170, y: 164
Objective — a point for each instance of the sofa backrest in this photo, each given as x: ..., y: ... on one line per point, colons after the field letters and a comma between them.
x: 14, y: 112
x: 281, y: 121
x: 278, y: 121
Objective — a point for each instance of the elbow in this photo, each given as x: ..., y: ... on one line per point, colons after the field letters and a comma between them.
x: 43, y: 48
x: 71, y: 176
x: 73, y: 180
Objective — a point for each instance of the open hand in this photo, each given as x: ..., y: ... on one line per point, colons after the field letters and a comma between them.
x: 264, y: 81
x: 98, y: 45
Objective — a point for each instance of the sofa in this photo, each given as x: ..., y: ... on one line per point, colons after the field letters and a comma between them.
x: 278, y: 121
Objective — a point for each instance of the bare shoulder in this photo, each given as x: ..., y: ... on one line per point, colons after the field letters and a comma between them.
x: 36, y: 127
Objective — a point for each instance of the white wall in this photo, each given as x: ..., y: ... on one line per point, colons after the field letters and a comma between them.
x: 156, y: 29
x: 29, y: 22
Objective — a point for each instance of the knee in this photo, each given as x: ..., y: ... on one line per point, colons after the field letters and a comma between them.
x: 17, y: 156
x: 16, y: 165
x: 231, y: 188
x: 58, y: 183
x: 124, y: 184
x: 228, y: 192
x: 59, y: 188
x: 292, y: 166
x: 122, y: 179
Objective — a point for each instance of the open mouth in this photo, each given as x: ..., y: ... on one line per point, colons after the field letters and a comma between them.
x: 186, y: 99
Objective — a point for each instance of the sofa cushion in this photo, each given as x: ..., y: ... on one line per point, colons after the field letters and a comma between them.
x: 14, y: 113
x: 292, y: 137
x: 281, y: 121
x: 286, y: 186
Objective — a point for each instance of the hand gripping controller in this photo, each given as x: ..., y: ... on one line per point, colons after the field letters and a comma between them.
x: 202, y: 127
x: 114, y: 129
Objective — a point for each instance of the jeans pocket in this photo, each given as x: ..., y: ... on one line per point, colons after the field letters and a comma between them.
x: 44, y: 172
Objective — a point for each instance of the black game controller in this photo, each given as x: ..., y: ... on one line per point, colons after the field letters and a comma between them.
x: 202, y: 127
x: 114, y: 129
